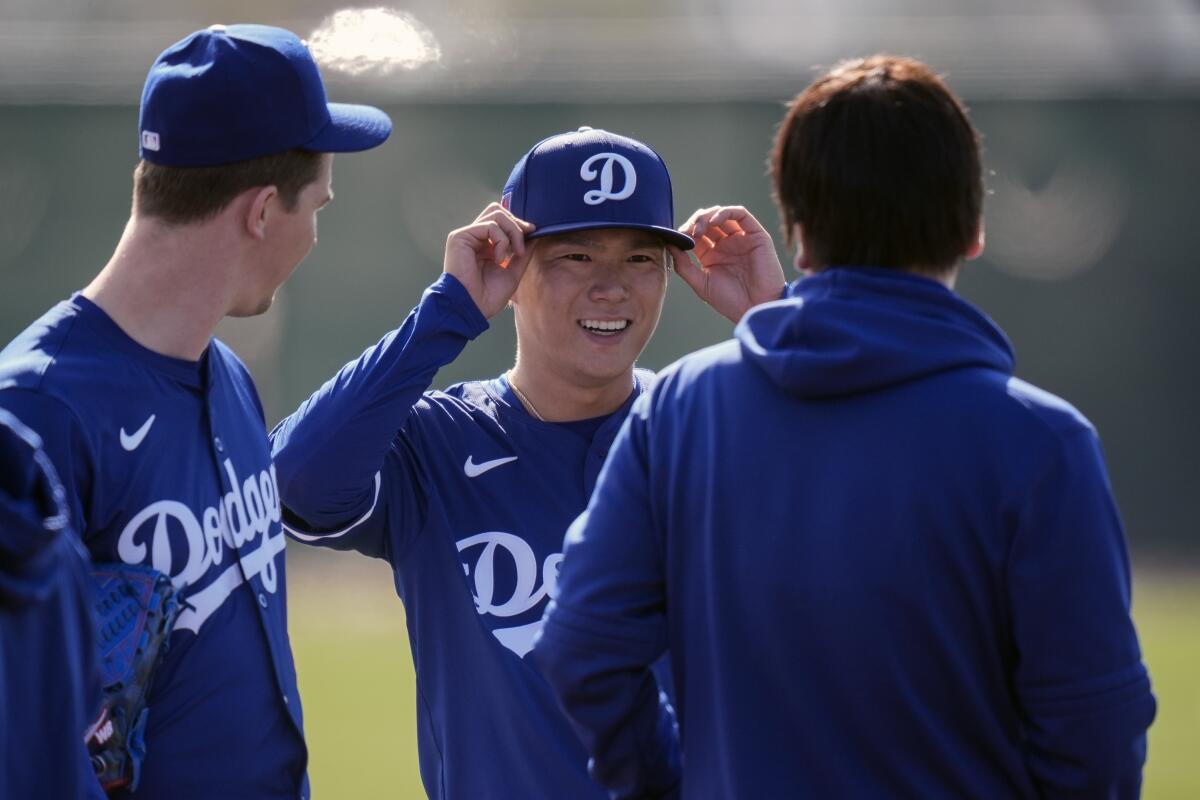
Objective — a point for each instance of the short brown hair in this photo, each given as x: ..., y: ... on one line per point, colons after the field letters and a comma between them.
x: 181, y: 195
x: 879, y: 165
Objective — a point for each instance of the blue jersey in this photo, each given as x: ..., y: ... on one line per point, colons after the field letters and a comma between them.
x: 885, y: 567
x: 49, y: 681
x: 467, y: 496
x: 165, y: 463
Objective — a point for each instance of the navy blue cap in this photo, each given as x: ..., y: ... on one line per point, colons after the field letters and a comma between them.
x: 588, y: 179
x: 231, y: 93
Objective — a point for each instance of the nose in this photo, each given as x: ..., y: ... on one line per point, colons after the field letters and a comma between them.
x: 609, y: 283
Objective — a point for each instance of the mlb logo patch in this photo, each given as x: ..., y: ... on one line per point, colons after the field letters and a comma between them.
x: 150, y: 140
x: 506, y: 201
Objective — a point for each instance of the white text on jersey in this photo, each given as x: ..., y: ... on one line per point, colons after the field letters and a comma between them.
x: 526, y: 594
x: 249, y: 510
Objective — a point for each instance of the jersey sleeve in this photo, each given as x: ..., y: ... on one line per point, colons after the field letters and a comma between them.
x: 607, y: 626
x: 1079, y: 679
x: 350, y: 476
x: 52, y: 572
x: 64, y: 443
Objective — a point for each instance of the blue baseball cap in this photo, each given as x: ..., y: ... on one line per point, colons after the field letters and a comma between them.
x: 588, y: 179
x: 236, y: 92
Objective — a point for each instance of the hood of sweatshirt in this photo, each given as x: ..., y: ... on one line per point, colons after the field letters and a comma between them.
x: 847, y: 330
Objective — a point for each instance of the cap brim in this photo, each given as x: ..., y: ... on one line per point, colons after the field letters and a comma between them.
x: 680, y: 240
x: 351, y: 128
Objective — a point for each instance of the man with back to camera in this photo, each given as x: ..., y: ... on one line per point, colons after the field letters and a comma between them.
x: 156, y: 428
x: 885, y: 566
x: 467, y: 492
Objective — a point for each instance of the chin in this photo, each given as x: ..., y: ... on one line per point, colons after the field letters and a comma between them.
x: 598, y: 373
x: 253, y: 311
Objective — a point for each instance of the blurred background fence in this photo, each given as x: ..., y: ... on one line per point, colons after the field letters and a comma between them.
x: 1090, y: 113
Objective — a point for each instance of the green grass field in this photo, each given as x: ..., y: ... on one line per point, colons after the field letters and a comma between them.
x: 1166, y: 608
x: 356, y: 678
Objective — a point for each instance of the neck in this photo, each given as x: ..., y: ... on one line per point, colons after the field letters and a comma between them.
x: 946, y: 278
x: 166, y: 286
x: 557, y: 400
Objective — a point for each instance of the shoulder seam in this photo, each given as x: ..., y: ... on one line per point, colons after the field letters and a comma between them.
x: 53, y: 360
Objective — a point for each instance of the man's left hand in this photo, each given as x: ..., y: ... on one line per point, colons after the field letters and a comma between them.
x: 736, y: 266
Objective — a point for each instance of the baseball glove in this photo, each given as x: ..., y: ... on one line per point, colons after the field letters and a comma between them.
x: 135, y: 612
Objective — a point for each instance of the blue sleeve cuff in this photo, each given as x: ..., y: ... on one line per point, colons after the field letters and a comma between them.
x: 461, y: 303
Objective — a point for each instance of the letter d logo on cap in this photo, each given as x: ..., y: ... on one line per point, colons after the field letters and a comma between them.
x: 597, y: 196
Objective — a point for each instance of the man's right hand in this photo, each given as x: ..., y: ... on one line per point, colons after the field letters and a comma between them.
x: 488, y: 257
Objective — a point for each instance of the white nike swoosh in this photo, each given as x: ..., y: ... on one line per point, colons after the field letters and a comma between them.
x: 131, y: 443
x: 474, y: 470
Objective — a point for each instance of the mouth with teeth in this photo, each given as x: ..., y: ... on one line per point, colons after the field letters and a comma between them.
x: 604, y: 327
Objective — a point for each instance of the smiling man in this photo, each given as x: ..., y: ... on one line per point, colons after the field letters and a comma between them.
x: 467, y: 492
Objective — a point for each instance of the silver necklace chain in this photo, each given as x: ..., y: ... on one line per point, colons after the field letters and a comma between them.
x: 525, y: 400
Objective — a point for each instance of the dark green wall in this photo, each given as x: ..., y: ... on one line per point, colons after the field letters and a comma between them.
x: 1092, y: 221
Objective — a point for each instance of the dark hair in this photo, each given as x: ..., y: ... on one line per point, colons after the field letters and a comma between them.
x: 182, y: 195
x: 879, y: 165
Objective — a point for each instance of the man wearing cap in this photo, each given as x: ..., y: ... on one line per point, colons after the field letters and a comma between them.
x: 155, y: 426
x: 467, y: 492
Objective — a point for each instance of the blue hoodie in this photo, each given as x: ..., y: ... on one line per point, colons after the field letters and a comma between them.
x: 882, y: 564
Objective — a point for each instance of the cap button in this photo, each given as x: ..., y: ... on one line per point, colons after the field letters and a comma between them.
x: 217, y: 28
x: 583, y: 128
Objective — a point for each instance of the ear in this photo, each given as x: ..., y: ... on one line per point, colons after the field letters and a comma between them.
x: 800, y: 261
x: 264, y: 202
x: 514, y: 299
x: 975, y: 250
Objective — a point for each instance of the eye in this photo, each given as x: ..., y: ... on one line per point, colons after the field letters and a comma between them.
x: 643, y: 258
x: 576, y: 257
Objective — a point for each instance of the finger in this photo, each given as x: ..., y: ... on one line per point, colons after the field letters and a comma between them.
x: 511, y: 226
x: 725, y: 213
x: 691, y: 272
x: 697, y: 221
x: 491, y: 233
x: 494, y: 206
x: 740, y: 215
x: 701, y: 247
x: 488, y: 209
x: 473, y: 238
x: 721, y: 221
x: 716, y: 233
x: 696, y: 216
x: 496, y: 212
x: 516, y: 266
